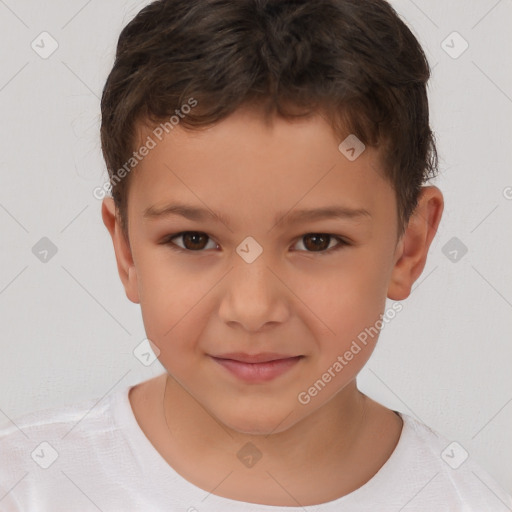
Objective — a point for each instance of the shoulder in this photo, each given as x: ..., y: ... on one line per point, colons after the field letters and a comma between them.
x: 444, y: 472
x: 55, y: 422
x: 54, y: 426
x: 40, y: 450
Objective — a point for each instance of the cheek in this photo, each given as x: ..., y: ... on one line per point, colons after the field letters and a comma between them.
x: 349, y: 295
x: 347, y: 309
x: 170, y: 301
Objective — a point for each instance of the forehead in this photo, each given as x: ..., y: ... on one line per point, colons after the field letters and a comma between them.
x: 248, y: 166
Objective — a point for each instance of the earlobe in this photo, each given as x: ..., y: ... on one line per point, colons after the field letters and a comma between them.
x: 125, y: 263
x: 412, y: 249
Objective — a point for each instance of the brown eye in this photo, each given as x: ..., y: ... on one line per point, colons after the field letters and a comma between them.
x: 321, y: 242
x: 197, y: 241
x: 192, y: 240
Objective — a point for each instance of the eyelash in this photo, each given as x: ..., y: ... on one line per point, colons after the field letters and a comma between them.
x: 342, y: 242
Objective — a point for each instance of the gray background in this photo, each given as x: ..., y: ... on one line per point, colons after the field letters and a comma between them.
x: 68, y: 331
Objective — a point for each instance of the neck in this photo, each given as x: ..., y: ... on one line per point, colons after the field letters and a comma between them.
x: 328, y: 433
x: 338, y: 447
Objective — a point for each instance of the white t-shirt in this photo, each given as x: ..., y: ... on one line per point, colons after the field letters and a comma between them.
x: 93, y: 456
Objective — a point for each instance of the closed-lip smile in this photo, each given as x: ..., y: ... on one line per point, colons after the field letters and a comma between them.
x: 256, y: 368
x: 255, y: 358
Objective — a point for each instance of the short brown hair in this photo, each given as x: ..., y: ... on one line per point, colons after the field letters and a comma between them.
x: 354, y: 61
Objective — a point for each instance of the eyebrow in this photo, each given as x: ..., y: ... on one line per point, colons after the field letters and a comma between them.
x: 202, y: 214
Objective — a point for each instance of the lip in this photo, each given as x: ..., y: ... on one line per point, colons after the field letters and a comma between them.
x: 262, y: 357
x: 258, y: 367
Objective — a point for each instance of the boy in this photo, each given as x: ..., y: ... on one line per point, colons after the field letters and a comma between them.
x: 266, y: 159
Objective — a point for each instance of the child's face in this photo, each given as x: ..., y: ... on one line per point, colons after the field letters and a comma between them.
x: 302, y: 296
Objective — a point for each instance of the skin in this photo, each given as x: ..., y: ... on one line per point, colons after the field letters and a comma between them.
x: 294, y: 299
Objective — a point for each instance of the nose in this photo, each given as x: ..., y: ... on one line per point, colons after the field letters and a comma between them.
x: 253, y: 297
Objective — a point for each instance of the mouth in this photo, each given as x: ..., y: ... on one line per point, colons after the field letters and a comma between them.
x: 258, y: 367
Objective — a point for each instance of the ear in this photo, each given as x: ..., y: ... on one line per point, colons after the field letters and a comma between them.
x: 412, y: 249
x: 125, y: 265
